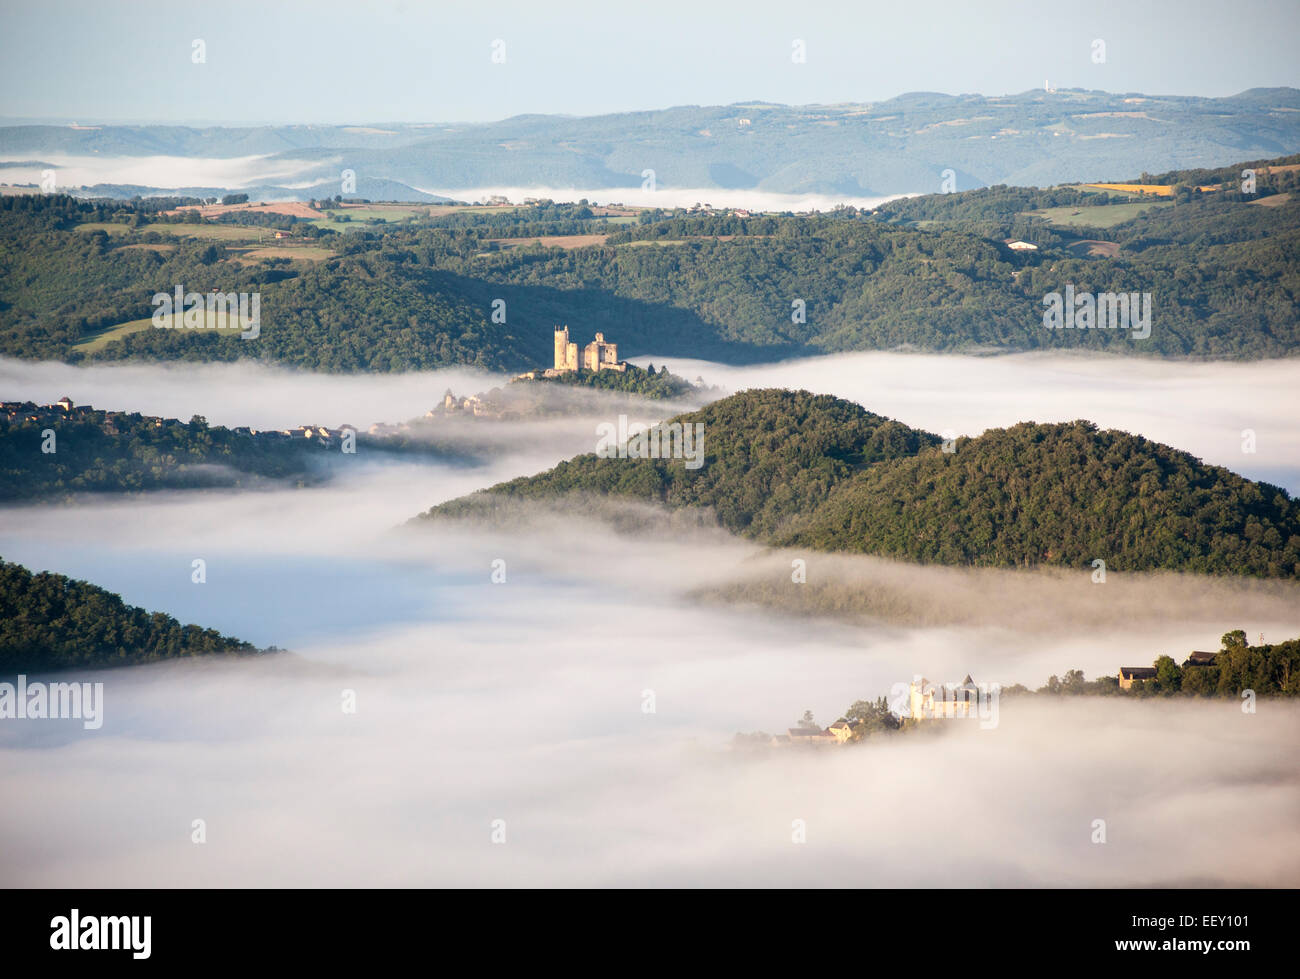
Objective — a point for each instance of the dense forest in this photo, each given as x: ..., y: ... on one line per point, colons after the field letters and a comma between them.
x: 1063, y: 494
x: 927, y: 273
x: 52, y: 622
x: 770, y: 454
x: 798, y: 470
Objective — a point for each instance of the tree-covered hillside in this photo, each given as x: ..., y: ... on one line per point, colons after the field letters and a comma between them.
x: 1064, y: 494
x: 53, y: 622
x: 48, y: 454
x: 798, y: 470
x: 468, y: 287
x: 99, y: 451
x: 769, y: 454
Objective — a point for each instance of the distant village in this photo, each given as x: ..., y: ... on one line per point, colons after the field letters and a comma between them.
x: 926, y: 701
x: 112, y: 422
x: 501, y: 200
x: 598, y: 355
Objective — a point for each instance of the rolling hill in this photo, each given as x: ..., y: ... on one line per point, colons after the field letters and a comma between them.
x: 797, y: 470
x: 932, y: 273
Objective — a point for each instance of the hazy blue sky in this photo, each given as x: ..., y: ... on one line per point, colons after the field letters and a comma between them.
x: 403, y: 60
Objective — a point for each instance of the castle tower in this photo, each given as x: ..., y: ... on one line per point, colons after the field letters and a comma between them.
x: 561, y: 346
x: 566, y: 353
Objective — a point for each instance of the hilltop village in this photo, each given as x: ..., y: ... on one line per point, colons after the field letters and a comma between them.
x: 1236, y: 671
x: 595, y: 366
x: 17, y: 413
x: 597, y: 358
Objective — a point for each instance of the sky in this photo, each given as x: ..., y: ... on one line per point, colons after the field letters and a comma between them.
x: 343, y: 61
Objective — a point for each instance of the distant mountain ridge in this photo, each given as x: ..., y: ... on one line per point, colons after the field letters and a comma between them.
x: 898, y: 146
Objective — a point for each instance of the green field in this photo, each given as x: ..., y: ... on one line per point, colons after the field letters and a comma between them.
x: 393, y: 214
x: 1104, y: 216
x: 102, y: 338
x: 261, y: 242
x: 282, y: 249
x: 206, y: 231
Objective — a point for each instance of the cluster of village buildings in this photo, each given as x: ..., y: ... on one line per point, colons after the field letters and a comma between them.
x: 1127, y: 674
x: 500, y: 200
x: 474, y: 405
x: 925, y: 701
x: 112, y: 421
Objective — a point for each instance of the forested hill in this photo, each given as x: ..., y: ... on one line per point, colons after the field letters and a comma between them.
x: 1064, y: 494
x: 769, y: 454
x: 794, y: 469
x: 53, y: 622
x: 49, y: 453
x: 416, y: 287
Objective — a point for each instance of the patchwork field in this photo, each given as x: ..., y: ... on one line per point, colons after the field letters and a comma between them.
x: 294, y: 209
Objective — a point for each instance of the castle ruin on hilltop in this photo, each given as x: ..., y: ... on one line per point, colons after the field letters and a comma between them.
x: 596, y: 356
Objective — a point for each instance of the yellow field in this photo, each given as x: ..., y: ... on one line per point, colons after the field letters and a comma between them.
x: 1156, y: 190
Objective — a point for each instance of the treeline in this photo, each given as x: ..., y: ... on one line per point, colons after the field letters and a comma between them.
x: 53, y: 622
x: 647, y: 382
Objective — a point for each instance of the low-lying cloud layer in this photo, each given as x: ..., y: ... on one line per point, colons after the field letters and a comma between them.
x: 1200, y: 407
x: 165, y: 172
x: 524, y: 701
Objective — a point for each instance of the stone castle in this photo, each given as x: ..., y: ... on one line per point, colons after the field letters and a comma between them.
x: 596, y: 356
